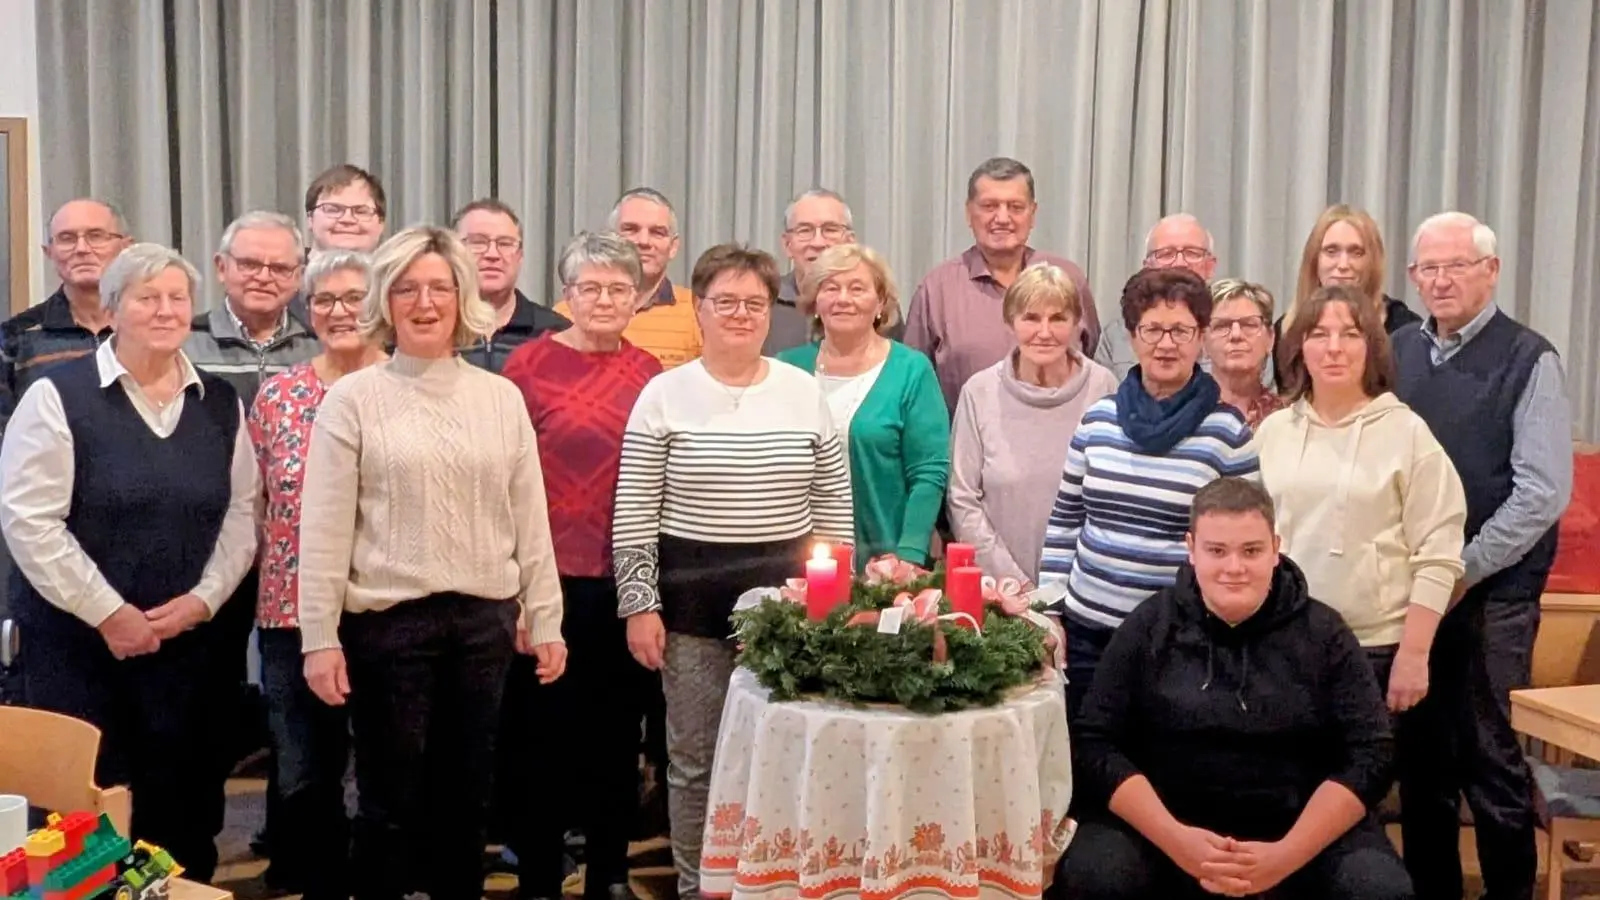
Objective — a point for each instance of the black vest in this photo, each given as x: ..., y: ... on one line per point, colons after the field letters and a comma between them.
x: 1469, y: 402
x: 146, y: 510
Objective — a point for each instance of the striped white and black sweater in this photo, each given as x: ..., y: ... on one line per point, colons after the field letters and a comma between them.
x: 720, y: 490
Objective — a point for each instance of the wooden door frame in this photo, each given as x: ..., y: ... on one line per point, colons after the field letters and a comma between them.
x: 14, y: 132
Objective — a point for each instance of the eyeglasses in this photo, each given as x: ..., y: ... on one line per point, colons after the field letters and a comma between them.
x: 350, y: 300
x: 250, y: 268
x: 1433, y: 271
x: 410, y: 290
x: 831, y: 231
x: 479, y: 244
x: 1180, y: 334
x: 727, y: 307
x: 1166, y: 256
x: 96, y: 238
x: 1249, y: 326
x: 362, y: 213
x: 591, y: 291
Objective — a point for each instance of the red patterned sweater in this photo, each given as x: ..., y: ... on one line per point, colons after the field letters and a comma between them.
x: 579, y: 403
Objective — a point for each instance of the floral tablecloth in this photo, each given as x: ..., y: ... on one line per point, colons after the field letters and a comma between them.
x: 817, y: 799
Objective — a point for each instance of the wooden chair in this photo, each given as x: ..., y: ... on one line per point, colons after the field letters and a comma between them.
x: 49, y: 758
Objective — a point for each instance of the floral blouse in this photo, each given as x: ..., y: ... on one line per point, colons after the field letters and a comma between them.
x: 280, y: 428
x: 1266, y: 403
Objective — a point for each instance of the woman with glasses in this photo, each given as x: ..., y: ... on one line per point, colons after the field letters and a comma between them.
x: 311, y: 844
x: 580, y: 386
x: 1344, y: 247
x: 884, y: 401
x: 425, y: 563
x: 1238, y: 341
x: 731, y: 469
x: 1116, y: 531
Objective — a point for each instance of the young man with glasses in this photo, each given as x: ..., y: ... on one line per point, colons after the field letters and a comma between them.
x: 346, y: 210
x: 493, y: 234
x: 85, y: 236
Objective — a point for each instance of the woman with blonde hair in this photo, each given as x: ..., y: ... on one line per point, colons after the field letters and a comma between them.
x: 426, y: 562
x: 1014, y: 422
x: 1238, y: 342
x: 884, y: 401
x: 1344, y: 247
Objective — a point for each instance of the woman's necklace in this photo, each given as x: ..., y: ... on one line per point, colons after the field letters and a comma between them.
x: 737, y: 395
x: 161, y: 393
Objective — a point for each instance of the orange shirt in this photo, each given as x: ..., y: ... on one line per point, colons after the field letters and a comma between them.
x: 667, y: 329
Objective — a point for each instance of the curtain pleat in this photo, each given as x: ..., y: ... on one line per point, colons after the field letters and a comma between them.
x: 1252, y: 115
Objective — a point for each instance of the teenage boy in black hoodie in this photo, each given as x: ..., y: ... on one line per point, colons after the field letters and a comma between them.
x: 1234, y: 741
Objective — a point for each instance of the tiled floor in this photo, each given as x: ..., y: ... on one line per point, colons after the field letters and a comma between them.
x: 240, y: 871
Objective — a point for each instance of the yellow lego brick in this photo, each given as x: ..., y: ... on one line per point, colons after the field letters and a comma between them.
x: 46, y: 842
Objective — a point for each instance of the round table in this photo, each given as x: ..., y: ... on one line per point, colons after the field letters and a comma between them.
x: 811, y: 799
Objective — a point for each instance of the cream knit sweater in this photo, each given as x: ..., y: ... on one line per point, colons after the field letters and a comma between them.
x: 423, y: 478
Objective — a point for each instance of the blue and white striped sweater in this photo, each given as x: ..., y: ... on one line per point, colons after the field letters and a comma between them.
x: 1115, y: 534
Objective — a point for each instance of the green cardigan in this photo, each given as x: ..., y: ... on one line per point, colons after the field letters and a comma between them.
x: 899, y: 454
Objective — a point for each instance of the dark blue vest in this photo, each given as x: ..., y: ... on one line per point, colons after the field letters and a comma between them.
x: 1469, y: 402
x: 146, y: 510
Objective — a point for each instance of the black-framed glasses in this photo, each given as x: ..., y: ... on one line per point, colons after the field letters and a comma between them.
x: 1249, y: 326
x: 1166, y: 256
x: 727, y: 307
x: 1180, y: 334
x: 480, y: 244
x: 96, y: 238
x: 362, y: 213
x: 250, y: 268
x: 832, y: 231
x: 350, y: 300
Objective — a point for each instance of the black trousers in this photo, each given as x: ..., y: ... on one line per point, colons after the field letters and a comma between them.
x: 229, y: 725
x: 154, y: 721
x: 311, y: 750
x: 1108, y: 860
x: 570, y: 753
x: 1483, y: 651
x: 426, y: 680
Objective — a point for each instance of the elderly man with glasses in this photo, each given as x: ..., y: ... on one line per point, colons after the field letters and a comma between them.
x: 85, y: 236
x: 1177, y: 241
x: 493, y: 234
x: 813, y: 222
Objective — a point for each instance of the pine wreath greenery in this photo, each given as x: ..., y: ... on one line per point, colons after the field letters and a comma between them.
x: 794, y: 657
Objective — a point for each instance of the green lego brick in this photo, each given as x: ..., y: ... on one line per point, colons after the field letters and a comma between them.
x: 98, y: 852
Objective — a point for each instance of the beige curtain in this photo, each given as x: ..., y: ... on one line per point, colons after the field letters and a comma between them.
x: 1251, y: 114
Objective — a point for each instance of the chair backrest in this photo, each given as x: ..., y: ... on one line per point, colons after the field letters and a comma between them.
x: 49, y: 758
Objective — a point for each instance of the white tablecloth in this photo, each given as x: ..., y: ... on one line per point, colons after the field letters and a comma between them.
x: 812, y: 799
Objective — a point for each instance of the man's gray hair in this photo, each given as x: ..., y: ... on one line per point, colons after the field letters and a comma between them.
x: 818, y: 193
x: 644, y: 193
x: 259, y: 218
x: 117, y: 218
x: 1483, y: 239
x: 326, y: 262
x: 1184, y: 218
x: 138, y: 264
x: 999, y: 168
x: 604, y: 249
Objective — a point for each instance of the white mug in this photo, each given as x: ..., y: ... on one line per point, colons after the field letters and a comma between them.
x: 13, y: 822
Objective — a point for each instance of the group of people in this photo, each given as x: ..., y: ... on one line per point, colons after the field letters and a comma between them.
x: 485, y: 538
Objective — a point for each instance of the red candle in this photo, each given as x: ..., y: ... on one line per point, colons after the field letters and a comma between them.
x: 964, y: 587
x: 959, y: 556
x: 822, y: 583
x: 845, y: 555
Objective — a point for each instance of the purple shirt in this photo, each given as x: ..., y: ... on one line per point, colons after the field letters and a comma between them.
x: 955, y: 317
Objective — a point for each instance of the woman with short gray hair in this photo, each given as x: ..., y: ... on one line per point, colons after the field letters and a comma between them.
x: 128, y: 499
x: 580, y: 386
x: 309, y: 738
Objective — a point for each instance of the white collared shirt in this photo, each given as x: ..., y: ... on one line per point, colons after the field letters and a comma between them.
x: 36, y: 479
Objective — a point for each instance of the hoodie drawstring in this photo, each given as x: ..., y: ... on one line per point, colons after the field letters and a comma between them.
x: 1244, y: 673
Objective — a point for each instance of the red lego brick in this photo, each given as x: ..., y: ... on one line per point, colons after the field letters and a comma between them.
x: 75, y: 827
x: 13, y: 872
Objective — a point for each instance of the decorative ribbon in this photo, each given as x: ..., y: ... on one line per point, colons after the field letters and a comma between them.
x: 890, y: 569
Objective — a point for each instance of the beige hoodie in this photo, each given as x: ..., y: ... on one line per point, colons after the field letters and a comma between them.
x: 1369, y: 507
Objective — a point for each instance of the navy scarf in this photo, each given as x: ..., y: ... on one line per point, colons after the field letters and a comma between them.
x: 1156, y: 426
